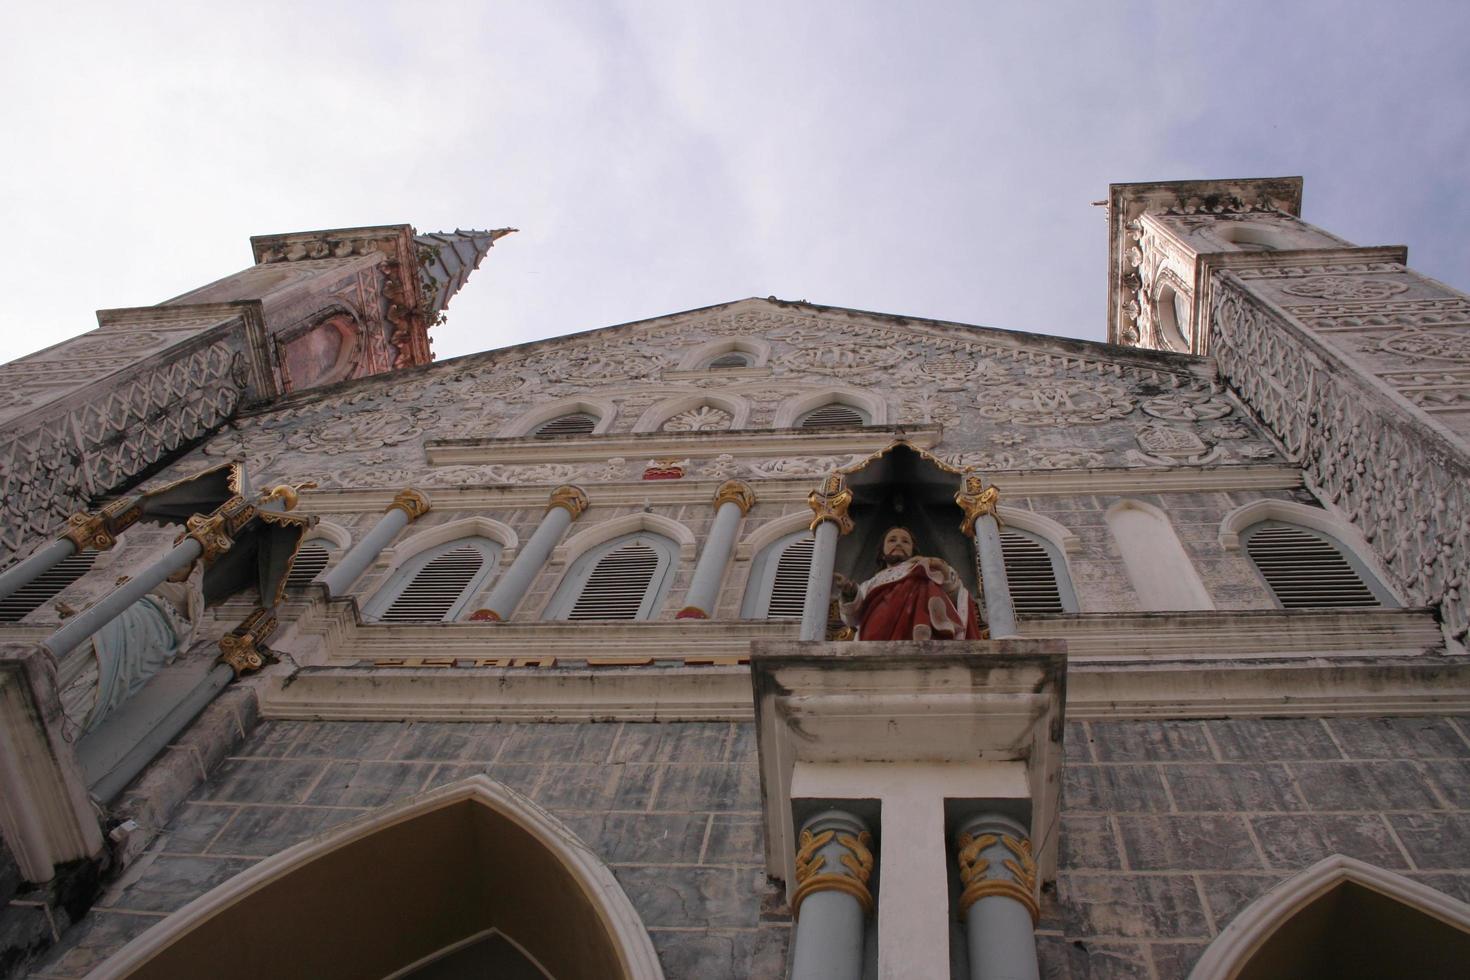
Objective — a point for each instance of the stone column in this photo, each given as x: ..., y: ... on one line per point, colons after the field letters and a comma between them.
x: 833, y: 863
x: 732, y: 501
x: 110, y: 606
x: 408, y: 505
x: 829, y: 521
x: 998, y: 900
x: 566, y: 505
x: 978, y: 503
x: 83, y: 531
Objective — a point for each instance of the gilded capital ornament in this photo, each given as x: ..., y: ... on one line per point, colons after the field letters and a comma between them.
x: 240, y: 647
x: 414, y: 503
x: 975, y: 500
x: 830, y: 503
x: 88, y: 531
x: 571, y: 499
x: 812, y: 875
x: 212, y: 531
x: 735, y: 492
x: 976, y: 871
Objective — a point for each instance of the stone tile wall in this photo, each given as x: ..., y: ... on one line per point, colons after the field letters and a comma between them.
x: 1170, y: 828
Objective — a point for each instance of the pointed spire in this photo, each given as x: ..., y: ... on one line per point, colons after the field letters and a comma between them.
x: 446, y: 260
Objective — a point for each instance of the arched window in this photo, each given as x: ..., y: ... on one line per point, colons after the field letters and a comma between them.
x: 435, y: 585
x: 1036, y: 574
x: 310, y: 560
x: 1306, y: 568
x: 778, y: 577
x: 1162, y: 574
x: 732, y: 359
x: 571, y: 424
x: 831, y: 415
x: 49, y: 585
x: 625, y: 578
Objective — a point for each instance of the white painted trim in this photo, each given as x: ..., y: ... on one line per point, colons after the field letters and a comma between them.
x: 338, y: 535
x: 584, y: 541
x: 1290, y: 512
x: 773, y: 531
x: 660, y: 412
x: 699, y: 357
x: 430, y: 537
x: 1248, y: 932
x: 603, y: 408
x: 603, y: 893
x: 467, y: 941
x: 1066, y: 542
x: 793, y: 408
x: 1186, y: 577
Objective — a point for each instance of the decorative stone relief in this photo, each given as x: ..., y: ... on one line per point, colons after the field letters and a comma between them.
x: 364, y: 430
x: 1186, y: 406
x: 1060, y: 402
x: 1344, y: 288
x: 1168, y: 445
x: 596, y: 363
x: 701, y: 419
x: 1422, y: 344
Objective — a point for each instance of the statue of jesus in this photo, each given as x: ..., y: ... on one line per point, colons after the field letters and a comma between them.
x: 910, y: 598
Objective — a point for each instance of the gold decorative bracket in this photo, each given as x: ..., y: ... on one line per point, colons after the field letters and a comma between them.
x: 240, y: 648
x: 811, y: 876
x: 830, y: 503
x: 1021, y: 886
x: 735, y: 492
x: 975, y: 500
x: 571, y: 499
x: 414, y: 503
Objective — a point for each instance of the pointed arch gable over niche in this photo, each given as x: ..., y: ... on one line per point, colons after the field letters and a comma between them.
x: 699, y: 358
x: 875, y: 408
x: 398, y: 886
x: 600, y: 408
x: 660, y: 412
x: 1342, y: 917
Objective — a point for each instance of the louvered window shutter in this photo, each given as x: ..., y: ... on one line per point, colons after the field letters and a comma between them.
x: 310, y: 561
x: 437, y: 587
x: 618, y: 584
x: 788, y: 587
x: 831, y: 415
x: 734, y: 359
x: 15, y: 607
x: 575, y: 424
x: 1305, y: 570
x: 1031, y: 575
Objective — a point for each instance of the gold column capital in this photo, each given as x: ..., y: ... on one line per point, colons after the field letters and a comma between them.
x: 88, y: 531
x: 975, y: 500
x: 240, y: 647
x: 213, y: 532
x: 812, y: 876
x: 830, y: 503
x: 414, y: 503
x: 735, y: 492
x: 1021, y: 865
x: 570, y: 498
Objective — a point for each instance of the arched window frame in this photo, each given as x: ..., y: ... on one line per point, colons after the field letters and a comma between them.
x: 699, y: 358
x: 569, y: 590
x: 791, y: 411
x: 50, y: 584
x: 762, y: 579
x: 1060, y: 576
x: 1349, y: 541
x: 331, y: 538
x: 526, y: 425
x: 490, y: 552
x: 657, y: 414
x: 1187, y: 588
x: 1365, y: 574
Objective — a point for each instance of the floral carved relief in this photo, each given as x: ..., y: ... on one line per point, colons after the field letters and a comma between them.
x: 1344, y: 288
x: 1057, y: 401
x: 702, y: 419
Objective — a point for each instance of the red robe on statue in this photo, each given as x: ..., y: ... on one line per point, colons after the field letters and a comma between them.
x: 917, y: 599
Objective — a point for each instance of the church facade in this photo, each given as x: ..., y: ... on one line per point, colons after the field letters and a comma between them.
x: 324, y: 658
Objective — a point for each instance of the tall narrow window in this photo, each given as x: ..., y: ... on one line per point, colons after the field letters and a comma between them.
x: 1305, y: 568
x: 778, y: 576
x: 1036, y: 574
x: 23, y: 601
x: 310, y: 561
x: 571, y: 424
x: 831, y: 415
x: 435, y: 585
x: 625, y: 578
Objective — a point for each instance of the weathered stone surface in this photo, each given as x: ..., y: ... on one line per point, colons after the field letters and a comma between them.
x: 171, y: 881
x: 620, y: 787
x: 558, y: 743
x: 1088, y: 843
x: 1187, y: 842
x: 346, y: 740
x: 259, y: 781
x: 1061, y: 958
x: 1150, y: 741
x: 89, y: 942
x: 1227, y: 894
x: 1273, y: 739
x: 1135, y: 906
x: 1251, y: 786
x: 1435, y: 840
x: 671, y: 742
x: 1452, y: 778
x: 1380, y: 785
x: 694, y: 897
x: 1173, y: 961
x: 1399, y: 738
x: 712, y: 787
x: 1294, y: 842
x: 1113, y: 788
x: 643, y: 838
x: 735, y: 838
x: 259, y: 831
x: 368, y: 784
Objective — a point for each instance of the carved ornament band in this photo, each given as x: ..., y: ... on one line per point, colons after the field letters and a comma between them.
x: 571, y: 499
x: 414, y: 503
x: 240, y: 647
x: 735, y: 492
x: 976, y: 500
x: 830, y: 503
x: 812, y: 878
x: 1021, y: 865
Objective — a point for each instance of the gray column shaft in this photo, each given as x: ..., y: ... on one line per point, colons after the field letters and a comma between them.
x: 704, y: 588
x: 365, y: 552
x: 17, y: 577
x: 512, y: 586
x: 819, y: 583
x: 1000, y: 933
x: 110, y: 606
x: 999, y: 610
x: 829, y: 925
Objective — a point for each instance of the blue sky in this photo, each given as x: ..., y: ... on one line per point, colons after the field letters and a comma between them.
x: 937, y: 160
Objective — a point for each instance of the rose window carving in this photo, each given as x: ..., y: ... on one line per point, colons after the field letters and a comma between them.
x: 702, y: 419
x: 1344, y: 288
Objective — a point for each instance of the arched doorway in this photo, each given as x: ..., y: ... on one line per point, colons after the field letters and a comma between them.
x: 468, y: 876
x: 1341, y: 919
